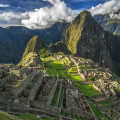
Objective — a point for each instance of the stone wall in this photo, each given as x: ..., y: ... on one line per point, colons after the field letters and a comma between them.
x: 60, y: 90
x: 35, y: 88
x: 19, y: 72
x: 52, y: 93
x: 6, y: 80
x: 78, y: 70
x: 80, y: 113
x: 24, y: 84
x: 31, y: 110
x: 48, y: 108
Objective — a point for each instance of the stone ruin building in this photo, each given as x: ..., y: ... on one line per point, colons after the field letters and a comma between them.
x: 76, y: 103
x: 103, y: 80
x: 30, y: 90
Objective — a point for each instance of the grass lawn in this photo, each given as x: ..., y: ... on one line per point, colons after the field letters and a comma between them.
x: 4, y: 117
x: 78, y: 118
x: 54, y: 68
x: 55, y: 98
x: 30, y: 117
x: 105, y: 103
x: 88, y: 90
x: 98, y: 114
x: 57, y: 68
x: 61, y: 98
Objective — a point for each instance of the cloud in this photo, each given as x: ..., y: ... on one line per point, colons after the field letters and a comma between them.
x: 47, y: 16
x: 10, y: 18
x: 111, y: 7
x: 2, y: 5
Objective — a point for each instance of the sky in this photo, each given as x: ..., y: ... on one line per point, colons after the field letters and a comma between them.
x: 39, y: 14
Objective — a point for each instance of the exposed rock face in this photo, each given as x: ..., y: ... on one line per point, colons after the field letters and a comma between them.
x: 33, y: 45
x: 87, y: 39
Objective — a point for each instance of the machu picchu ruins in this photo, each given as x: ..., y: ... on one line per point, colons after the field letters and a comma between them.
x: 32, y: 89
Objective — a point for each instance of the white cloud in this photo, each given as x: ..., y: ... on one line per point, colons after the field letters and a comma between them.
x: 47, y: 16
x: 10, y: 18
x: 2, y: 5
x: 7, y: 16
x: 109, y: 7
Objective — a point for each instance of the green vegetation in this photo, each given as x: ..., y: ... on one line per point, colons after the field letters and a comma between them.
x: 59, y: 53
x: 61, y: 97
x: 88, y: 90
x: 32, y: 117
x: 59, y: 48
x: 55, y: 98
x: 116, y: 78
x: 78, y: 118
x: 28, y: 117
x: 73, y: 116
x: 98, y: 114
x: 4, y: 117
x: 57, y: 68
x: 44, y: 52
x: 91, y: 78
x: 30, y: 58
x: 74, y: 31
x: 33, y: 45
x: 117, y: 90
x: 105, y: 103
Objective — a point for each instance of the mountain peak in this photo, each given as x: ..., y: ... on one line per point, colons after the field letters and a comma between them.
x: 33, y: 45
x: 81, y: 23
x: 83, y: 15
x: 86, y: 38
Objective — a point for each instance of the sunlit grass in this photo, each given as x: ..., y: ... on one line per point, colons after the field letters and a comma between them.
x: 4, y: 117
x: 88, y: 90
x: 31, y: 117
x: 98, y: 114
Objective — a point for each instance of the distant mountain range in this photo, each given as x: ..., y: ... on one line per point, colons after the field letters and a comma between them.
x: 13, y: 40
x: 108, y: 24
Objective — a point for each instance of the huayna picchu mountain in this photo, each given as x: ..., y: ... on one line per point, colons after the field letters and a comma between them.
x: 86, y: 38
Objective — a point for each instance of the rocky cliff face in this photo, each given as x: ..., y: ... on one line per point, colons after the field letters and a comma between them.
x: 87, y: 39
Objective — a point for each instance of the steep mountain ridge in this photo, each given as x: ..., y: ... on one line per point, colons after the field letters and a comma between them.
x: 86, y: 38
